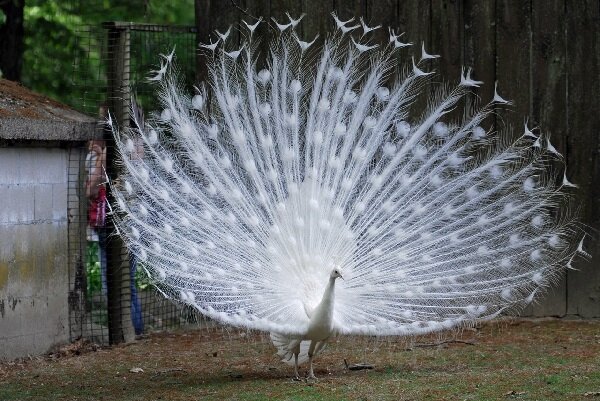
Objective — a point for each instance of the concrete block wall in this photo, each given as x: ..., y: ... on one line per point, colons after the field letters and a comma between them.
x: 34, y: 282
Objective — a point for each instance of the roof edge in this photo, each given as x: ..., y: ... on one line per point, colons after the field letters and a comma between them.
x: 45, y: 130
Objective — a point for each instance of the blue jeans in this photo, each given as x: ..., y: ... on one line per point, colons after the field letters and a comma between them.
x: 136, y: 305
x: 102, y: 257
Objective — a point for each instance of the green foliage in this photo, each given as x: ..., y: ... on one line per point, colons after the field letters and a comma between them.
x: 92, y: 264
x: 63, y: 40
x: 51, y: 46
x: 94, y: 272
x: 142, y: 280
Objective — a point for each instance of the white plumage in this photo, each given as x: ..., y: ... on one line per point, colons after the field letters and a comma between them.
x: 320, y: 328
x: 248, y: 197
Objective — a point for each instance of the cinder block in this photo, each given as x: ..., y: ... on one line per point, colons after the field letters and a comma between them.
x: 44, y: 209
x: 10, y: 171
x: 3, y: 278
x: 16, y: 203
x: 17, y: 166
x: 58, y: 307
x: 33, y: 250
x: 16, y: 347
x: 23, y: 280
x: 7, y: 249
x: 33, y: 165
x: 15, y: 241
x: 36, y: 255
x: 50, y: 256
x: 33, y: 325
x: 10, y: 321
x: 59, y: 201
x: 52, y: 165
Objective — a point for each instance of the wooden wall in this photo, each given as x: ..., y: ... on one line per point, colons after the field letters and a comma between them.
x: 545, y: 54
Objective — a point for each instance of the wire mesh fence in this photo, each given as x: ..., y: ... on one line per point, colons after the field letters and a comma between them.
x: 111, y: 298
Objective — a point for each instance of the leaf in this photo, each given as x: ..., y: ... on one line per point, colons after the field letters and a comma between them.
x: 136, y: 370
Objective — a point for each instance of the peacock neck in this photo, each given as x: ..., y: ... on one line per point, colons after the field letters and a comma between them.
x: 328, y: 295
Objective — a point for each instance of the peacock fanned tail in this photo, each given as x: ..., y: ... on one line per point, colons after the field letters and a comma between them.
x: 241, y: 199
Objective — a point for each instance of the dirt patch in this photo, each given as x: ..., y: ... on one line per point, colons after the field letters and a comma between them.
x: 76, y: 348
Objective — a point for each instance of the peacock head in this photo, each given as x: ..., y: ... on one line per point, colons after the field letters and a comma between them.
x: 336, y: 272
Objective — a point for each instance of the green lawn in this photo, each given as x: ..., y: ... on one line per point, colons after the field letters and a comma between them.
x: 521, y: 360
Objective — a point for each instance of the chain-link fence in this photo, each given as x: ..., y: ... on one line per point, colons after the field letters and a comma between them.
x: 111, y: 298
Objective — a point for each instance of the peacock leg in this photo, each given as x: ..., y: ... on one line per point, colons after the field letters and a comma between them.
x: 297, y: 376
x: 311, y: 353
x: 319, y: 347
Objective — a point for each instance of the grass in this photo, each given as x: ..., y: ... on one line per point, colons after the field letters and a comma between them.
x: 519, y: 360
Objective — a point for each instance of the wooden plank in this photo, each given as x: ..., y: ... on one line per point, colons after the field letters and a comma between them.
x: 447, y: 32
x: 479, y: 53
x: 256, y: 9
x: 583, y: 146
x: 384, y: 13
x: 212, y: 15
x: 279, y: 8
x: 203, y: 30
x: 480, y: 47
x: 447, y: 38
x: 549, y: 108
x: 513, y: 30
x: 225, y: 14
x: 347, y: 9
x: 318, y: 20
x: 414, y: 18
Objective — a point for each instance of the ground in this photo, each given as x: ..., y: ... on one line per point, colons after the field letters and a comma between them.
x: 520, y: 360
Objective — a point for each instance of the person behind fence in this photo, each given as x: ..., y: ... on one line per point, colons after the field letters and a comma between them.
x: 96, y: 176
x: 95, y: 192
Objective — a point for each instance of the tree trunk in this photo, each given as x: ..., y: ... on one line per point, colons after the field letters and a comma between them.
x: 11, y: 39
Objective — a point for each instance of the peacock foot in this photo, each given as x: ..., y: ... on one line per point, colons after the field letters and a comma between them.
x: 311, y: 379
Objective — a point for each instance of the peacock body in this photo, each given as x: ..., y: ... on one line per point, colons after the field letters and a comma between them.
x: 245, y: 199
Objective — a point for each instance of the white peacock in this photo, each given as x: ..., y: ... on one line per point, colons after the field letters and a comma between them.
x: 254, y: 197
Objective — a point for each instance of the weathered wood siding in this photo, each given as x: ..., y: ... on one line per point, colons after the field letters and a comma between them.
x: 545, y: 54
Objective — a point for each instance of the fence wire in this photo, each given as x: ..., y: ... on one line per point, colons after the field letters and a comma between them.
x: 111, y: 298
